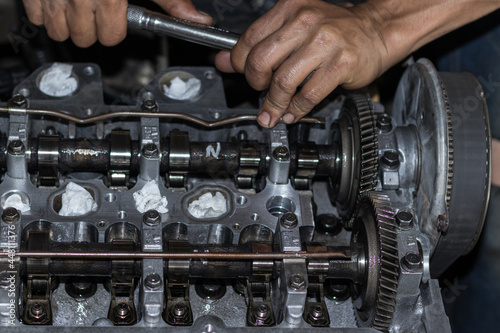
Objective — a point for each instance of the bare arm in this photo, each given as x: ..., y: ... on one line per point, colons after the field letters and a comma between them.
x: 347, y: 47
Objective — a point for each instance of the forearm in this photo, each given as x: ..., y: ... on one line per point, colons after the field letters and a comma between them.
x: 405, y: 26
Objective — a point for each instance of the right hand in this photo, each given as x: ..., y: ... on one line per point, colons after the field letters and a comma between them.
x: 87, y: 21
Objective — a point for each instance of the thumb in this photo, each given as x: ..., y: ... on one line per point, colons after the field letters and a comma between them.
x: 184, y: 9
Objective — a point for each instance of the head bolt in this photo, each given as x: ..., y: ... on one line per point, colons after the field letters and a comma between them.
x: 36, y: 311
x: 404, y: 219
x: 384, y: 123
x: 297, y: 282
x: 289, y: 220
x: 411, y: 261
x: 317, y: 311
x: 390, y: 159
x: 179, y: 310
x: 281, y: 153
x: 18, y: 101
x: 16, y: 147
x: 262, y: 311
x: 153, y: 281
x: 149, y: 105
x: 151, y: 218
x: 10, y: 215
x: 122, y: 311
x: 150, y: 150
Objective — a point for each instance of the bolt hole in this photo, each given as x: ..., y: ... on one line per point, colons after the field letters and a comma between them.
x: 255, y: 217
x: 279, y: 205
x: 236, y: 226
x: 241, y: 200
x: 209, y: 328
x: 110, y: 197
x: 122, y: 214
x: 101, y: 224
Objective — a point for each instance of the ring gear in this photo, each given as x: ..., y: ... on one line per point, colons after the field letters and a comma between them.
x: 374, y: 226
x: 356, y: 133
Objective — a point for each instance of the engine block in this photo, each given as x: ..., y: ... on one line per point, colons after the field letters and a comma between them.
x: 182, y: 215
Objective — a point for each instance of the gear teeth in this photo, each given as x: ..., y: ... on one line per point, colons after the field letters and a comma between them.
x: 385, y: 303
x: 451, y: 149
x: 360, y: 109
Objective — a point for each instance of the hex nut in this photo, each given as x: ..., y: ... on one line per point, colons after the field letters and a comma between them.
x: 150, y: 150
x: 281, y: 153
x: 10, y: 215
x: 151, y: 218
x: 289, y: 220
x: 390, y: 159
x: 297, y: 282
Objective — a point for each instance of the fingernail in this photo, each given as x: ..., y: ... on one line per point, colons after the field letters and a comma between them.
x: 264, y: 118
x: 203, y: 13
x: 288, y: 118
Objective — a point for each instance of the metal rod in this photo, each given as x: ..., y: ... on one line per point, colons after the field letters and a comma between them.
x: 179, y: 255
x: 142, y: 19
x: 132, y: 113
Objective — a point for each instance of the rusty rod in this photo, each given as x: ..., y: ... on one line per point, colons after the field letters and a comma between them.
x: 341, y: 254
x: 133, y: 113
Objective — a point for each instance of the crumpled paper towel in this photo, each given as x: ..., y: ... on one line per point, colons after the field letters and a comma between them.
x: 208, y: 205
x: 57, y: 80
x: 15, y: 200
x: 181, y: 90
x: 76, y: 201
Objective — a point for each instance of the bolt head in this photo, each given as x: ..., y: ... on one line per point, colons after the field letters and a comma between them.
x: 390, y: 159
x: 151, y: 218
x: 281, y: 153
x: 150, y: 150
x: 317, y: 311
x: 384, y: 123
x: 10, y: 215
x: 16, y: 147
x: 404, y: 219
x: 149, y: 105
x: 153, y: 281
x: 412, y: 261
x: 262, y: 311
x: 289, y: 220
x: 179, y: 309
x: 297, y: 282
x: 36, y: 312
x: 18, y: 100
x: 442, y: 223
x: 122, y: 311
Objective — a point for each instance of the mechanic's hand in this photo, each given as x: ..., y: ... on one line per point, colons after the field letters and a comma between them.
x: 296, y: 37
x: 87, y: 21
